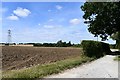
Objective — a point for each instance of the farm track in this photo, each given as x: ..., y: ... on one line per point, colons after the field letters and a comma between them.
x: 23, y: 57
x: 104, y: 67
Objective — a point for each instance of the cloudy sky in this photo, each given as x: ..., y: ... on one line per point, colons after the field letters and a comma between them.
x: 44, y: 22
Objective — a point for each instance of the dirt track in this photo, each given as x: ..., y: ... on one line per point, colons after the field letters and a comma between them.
x: 23, y: 57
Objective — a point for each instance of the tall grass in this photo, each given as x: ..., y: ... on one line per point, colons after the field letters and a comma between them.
x: 117, y: 58
x: 40, y: 71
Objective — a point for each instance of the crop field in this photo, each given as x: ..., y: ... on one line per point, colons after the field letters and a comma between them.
x: 14, y: 58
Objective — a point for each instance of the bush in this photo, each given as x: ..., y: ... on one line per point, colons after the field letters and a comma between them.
x: 94, y: 48
x: 113, y: 46
x: 106, y: 48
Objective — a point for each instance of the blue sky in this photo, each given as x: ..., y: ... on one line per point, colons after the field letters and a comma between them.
x: 44, y: 22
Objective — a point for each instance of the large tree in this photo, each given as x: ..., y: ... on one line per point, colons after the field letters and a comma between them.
x: 103, y: 19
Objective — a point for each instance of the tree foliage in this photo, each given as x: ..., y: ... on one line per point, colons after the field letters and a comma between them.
x: 116, y: 36
x: 103, y: 18
x: 60, y: 43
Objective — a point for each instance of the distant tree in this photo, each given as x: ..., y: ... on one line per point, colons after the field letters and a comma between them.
x: 69, y: 44
x: 14, y: 43
x: 64, y: 44
x: 38, y: 44
x: 59, y: 43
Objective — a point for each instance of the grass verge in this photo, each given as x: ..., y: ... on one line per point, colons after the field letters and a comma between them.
x: 117, y: 58
x: 41, y: 71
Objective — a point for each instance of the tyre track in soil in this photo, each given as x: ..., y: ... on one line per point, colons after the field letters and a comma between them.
x: 15, y: 58
x: 12, y: 67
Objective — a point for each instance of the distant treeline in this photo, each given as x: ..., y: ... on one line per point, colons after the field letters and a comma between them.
x: 58, y: 44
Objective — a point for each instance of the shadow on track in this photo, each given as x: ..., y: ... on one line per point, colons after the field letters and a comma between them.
x: 115, y: 53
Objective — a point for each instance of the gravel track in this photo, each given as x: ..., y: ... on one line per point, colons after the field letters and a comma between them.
x: 104, y: 67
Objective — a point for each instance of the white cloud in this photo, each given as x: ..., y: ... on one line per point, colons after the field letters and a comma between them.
x: 59, y: 7
x: 48, y: 26
x: 12, y: 17
x: 39, y: 24
x: 21, y: 12
x: 50, y: 20
x: 75, y: 21
x: 49, y: 10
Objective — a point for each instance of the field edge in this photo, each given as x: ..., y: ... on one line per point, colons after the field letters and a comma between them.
x: 117, y: 58
x: 40, y: 71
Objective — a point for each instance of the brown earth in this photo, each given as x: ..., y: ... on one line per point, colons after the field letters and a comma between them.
x: 24, y: 57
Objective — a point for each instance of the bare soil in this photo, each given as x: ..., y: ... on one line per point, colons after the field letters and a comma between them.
x: 23, y: 57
